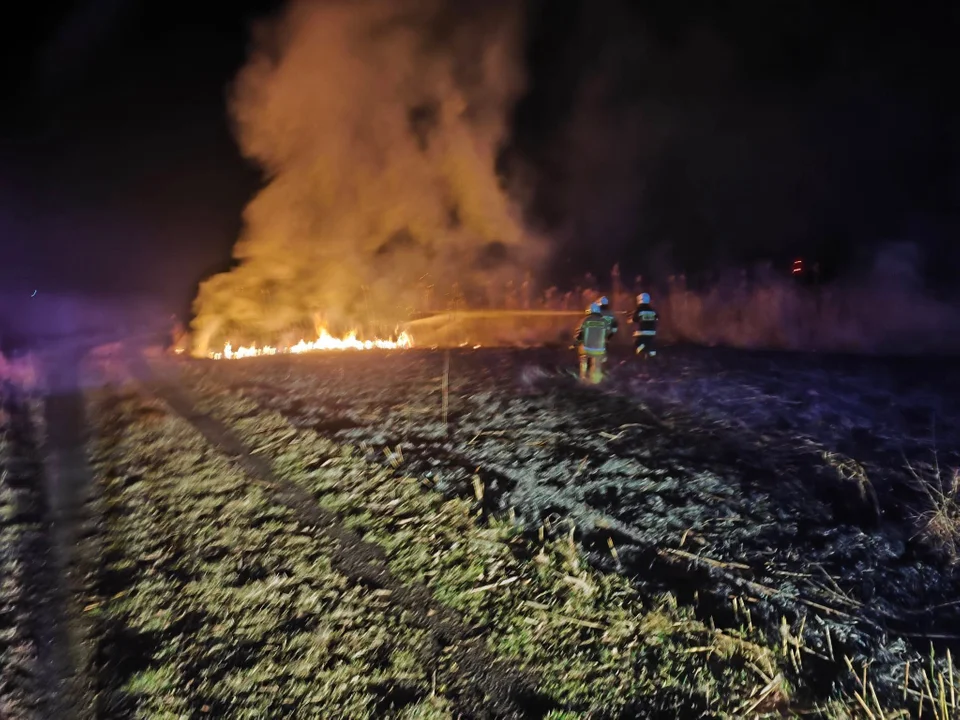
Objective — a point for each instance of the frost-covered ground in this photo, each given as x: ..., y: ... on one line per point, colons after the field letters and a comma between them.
x: 775, y: 487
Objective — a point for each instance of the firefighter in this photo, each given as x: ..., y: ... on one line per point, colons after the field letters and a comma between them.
x: 591, y: 340
x: 607, y: 313
x: 646, y: 319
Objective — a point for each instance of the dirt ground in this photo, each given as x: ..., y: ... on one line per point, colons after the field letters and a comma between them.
x: 799, y: 483
x: 475, y: 533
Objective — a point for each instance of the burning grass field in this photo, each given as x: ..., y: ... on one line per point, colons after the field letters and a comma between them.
x: 420, y: 534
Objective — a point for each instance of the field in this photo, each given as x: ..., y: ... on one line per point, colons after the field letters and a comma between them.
x: 473, y: 533
x: 19, y: 537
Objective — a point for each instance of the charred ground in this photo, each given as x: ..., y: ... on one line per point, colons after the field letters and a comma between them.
x: 474, y: 533
x: 799, y: 486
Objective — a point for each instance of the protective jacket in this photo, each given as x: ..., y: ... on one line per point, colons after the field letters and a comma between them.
x: 610, y: 318
x: 591, y: 336
x: 646, y: 319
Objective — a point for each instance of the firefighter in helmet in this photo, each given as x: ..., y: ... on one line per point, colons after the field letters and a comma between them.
x: 608, y: 313
x: 646, y: 319
x: 591, y: 340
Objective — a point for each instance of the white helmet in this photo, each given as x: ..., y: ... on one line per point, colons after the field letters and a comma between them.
x: 643, y: 299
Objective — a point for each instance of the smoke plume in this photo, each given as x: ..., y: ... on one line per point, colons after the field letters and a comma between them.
x: 377, y: 123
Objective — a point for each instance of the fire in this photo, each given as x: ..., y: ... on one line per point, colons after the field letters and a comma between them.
x: 325, y: 341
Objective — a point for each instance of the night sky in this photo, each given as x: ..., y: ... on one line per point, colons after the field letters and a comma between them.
x: 665, y: 134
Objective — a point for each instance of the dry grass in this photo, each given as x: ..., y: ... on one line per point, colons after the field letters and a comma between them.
x: 929, y: 691
x: 217, y: 602
x: 19, y: 663
x: 938, y: 521
x: 593, y: 642
x: 589, y: 636
x: 849, y: 470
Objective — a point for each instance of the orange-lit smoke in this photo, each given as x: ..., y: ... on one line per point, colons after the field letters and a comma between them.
x: 377, y: 123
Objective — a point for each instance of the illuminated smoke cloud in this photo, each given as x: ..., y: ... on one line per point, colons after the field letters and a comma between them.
x: 377, y: 123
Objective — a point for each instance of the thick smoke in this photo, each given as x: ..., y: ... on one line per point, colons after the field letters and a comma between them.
x: 885, y: 309
x: 378, y: 124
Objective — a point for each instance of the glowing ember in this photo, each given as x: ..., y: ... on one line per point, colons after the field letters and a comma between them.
x: 325, y: 341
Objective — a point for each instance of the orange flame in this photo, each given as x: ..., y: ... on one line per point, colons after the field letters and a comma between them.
x: 325, y: 341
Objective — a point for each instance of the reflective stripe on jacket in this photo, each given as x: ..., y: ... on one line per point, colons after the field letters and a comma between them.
x: 646, y: 319
x: 592, y: 334
x: 610, y: 318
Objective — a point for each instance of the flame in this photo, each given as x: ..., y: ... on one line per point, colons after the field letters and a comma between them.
x: 324, y: 341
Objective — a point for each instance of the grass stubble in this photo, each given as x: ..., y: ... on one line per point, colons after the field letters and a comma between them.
x: 938, y: 520
x: 598, y: 648
x: 214, y: 601
x: 20, y: 671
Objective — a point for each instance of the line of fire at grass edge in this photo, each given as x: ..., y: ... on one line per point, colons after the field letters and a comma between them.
x: 596, y: 646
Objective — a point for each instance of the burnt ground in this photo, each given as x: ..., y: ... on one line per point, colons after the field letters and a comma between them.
x: 41, y: 681
x: 54, y: 557
x: 792, y: 481
x: 70, y: 498
x: 484, y: 685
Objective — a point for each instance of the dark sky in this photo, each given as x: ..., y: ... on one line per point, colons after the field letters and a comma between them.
x: 698, y: 133
x: 662, y: 133
x: 119, y: 168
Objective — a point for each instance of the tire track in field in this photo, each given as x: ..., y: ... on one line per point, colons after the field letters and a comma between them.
x: 35, y: 610
x: 53, y: 472
x: 489, y: 687
x: 68, y: 487
x: 834, y: 527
